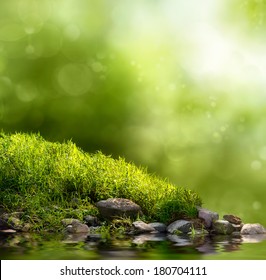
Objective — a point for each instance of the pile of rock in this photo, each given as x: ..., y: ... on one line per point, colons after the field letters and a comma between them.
x: 207, y: 222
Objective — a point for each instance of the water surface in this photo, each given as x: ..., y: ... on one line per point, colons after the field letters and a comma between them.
x: 145, y: 246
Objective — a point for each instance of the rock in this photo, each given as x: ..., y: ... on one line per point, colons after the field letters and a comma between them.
x: 233, y: 219
x: 8, y: 231
x: 182, y: 226
x: 77, y: 227
x: 222, y: 227
x: 26, y: 227
x: 160, y: 227
x: 91, y: 221
x: 238, y: 227
x: 118, y: 207
x: 207, y: 216
x: 141, y: 227
x: 69, y: 221
x: 252, y: 229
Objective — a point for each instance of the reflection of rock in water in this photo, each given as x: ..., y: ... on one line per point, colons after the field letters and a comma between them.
x: 255, y: 238
x: 142, y: 238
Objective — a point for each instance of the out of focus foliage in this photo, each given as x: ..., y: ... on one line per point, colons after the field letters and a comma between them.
x: 178, y: 86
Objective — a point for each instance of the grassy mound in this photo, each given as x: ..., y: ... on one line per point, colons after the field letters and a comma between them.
x: 51, y: 181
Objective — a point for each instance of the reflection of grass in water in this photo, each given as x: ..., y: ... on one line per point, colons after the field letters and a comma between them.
x: 50, y: 181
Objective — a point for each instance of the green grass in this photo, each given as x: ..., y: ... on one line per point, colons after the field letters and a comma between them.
x: 50, y: 181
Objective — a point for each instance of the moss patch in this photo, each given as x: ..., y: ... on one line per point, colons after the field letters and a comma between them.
x: 51, y: 181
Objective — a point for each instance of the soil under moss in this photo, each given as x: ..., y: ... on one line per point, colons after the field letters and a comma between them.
x: 51, y: 181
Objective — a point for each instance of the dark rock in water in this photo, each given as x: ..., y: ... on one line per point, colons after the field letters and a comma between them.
x: 141, y: 227
x: 118, y: 207
x: 160, y: 227
x: 253, y: 229
x: 233, y: 219
x: 91, y: 220
x: 180, y: 226
x: 207, y: 216
x: 222, y: 227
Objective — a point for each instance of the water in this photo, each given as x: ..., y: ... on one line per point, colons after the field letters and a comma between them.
x: 142, y: 247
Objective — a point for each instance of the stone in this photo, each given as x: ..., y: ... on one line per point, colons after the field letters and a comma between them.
x: 118, y: 207
x: 182, y: 226
x: 77, y: 227
x: 232, y: 219
x: 252, y: 229
x: 160, y: 227
x: 207, y: 216
x: 238, y: 227
x: 141, y: 227
x: 91, y: 221
x: 26, y: 227
x: 222, y: 227
x: 69, y: 221
x: 8, y: 231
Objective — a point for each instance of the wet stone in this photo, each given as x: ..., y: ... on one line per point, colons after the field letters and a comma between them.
x: 160, y: 227
x: 180, y: 226
x: 222, y: 227
x: 233, y: 219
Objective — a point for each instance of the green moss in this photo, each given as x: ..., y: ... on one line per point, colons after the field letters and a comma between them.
x: 51, y: 181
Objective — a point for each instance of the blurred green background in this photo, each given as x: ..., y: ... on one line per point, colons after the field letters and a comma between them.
x: 177, y: 86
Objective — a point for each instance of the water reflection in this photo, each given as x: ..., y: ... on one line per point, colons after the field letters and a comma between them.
x: 143, y: 246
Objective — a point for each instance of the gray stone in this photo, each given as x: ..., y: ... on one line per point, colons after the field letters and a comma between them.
x: 91, y: 220
x: 222, y: 227
x: 69, y: 221
x: 158, y: 226
x: 182, y: 226
x: 77, y: 227
x: 8, y: 230
x: 252, y: 229
x: 207, y: 216
x: 232, y: 219
x: 141, y: 227
x: 118, y: 207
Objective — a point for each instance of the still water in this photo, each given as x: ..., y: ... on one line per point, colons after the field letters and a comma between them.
x: 145, y: 246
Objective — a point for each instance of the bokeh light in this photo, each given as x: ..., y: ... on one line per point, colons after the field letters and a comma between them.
x: 177, y: 86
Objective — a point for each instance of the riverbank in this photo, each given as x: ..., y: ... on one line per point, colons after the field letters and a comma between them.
x: 44, y: 182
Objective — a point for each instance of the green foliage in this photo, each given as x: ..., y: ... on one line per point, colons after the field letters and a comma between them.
x: 51, y: 181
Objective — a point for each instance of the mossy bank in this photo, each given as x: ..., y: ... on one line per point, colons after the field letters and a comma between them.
x: 48, y: 182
